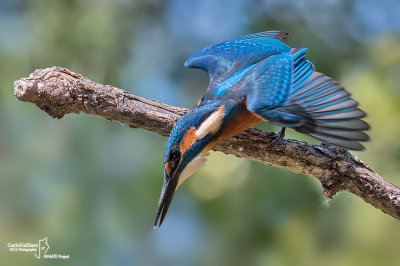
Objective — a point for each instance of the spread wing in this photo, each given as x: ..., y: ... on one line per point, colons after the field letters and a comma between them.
x: 286, y: 90
x: 224, y: 59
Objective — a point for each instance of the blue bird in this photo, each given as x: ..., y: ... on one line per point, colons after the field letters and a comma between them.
x: 255, y: 78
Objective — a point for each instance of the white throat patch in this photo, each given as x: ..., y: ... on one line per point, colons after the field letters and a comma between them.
x: 192, y: 167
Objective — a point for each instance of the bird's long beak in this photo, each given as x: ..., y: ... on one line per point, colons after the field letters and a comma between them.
x: 167, y: 193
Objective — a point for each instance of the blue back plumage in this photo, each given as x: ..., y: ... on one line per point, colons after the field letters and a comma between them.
x: 231, y: 82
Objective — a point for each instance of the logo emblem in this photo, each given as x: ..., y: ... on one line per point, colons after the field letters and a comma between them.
x: 39, y: 249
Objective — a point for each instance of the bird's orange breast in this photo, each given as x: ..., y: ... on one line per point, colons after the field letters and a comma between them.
x: 239, y: 122
x: 242, y: 120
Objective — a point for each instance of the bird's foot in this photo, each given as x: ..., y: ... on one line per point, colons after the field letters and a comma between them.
x: 280, y: 135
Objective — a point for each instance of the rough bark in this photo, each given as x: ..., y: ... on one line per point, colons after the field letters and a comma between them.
x: 59, y: 91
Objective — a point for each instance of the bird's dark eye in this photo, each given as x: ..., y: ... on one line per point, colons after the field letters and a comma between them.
x: 174, y: 155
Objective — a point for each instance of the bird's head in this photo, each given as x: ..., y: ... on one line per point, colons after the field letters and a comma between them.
x: 189, y: 141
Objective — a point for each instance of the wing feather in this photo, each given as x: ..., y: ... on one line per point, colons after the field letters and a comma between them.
x: 307, y: 101
x: 224, y: 59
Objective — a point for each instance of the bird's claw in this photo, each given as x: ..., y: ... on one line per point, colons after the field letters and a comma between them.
x: 280, y: 135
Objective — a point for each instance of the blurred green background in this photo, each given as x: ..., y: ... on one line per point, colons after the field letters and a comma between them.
x: 91, y: 186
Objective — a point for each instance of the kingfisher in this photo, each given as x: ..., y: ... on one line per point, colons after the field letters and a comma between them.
x: 254, y: 78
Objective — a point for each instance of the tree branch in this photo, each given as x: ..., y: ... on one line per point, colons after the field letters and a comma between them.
x: 60, y: 91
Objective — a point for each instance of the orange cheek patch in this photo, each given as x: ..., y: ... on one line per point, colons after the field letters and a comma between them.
x: 167, y: 169
x: 188, y: 140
